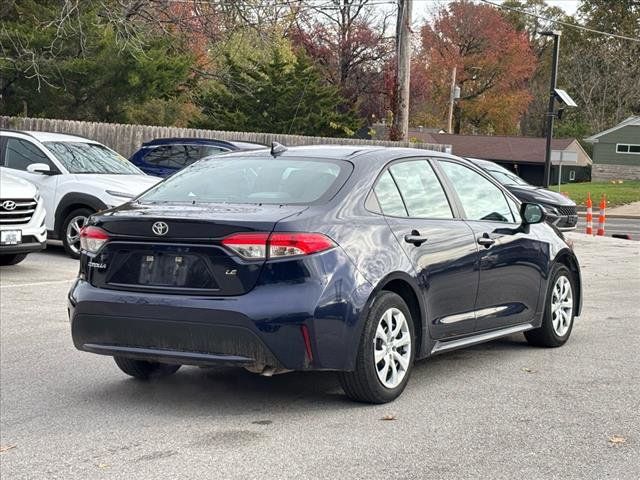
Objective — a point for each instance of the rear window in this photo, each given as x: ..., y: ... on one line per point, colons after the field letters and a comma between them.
x: 253, y: 180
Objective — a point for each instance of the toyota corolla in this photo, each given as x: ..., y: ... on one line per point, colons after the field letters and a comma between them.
x: 355, y: 259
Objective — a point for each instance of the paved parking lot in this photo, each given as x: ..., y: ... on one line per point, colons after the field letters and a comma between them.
x: 499, y: 410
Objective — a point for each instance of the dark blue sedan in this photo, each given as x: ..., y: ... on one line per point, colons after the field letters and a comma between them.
x: 163, y: 157
x: 354, y: 259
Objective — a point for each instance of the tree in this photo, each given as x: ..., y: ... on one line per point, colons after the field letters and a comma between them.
x: 347, y: 40
x: 602, y: 72
x: 493, y: 62
x: 82, y: 68
x: 281, y: 95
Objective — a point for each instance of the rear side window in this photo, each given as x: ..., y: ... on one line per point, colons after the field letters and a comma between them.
x: 421, y: 191
x: 19, y: 154
x: 480, y: 198
x: 389, y: 197
x: 254, y: 180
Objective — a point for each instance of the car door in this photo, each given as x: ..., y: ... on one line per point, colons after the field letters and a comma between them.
x: 440, y: 246
x: 18, y: 154
x: 508, y: 256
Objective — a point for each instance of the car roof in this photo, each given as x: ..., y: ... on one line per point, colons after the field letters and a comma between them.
x: 348, y: 152
x: 189, y: 141
x: 57, y: 137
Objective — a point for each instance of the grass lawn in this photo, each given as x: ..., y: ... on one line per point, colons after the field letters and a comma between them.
x: 617, y: 193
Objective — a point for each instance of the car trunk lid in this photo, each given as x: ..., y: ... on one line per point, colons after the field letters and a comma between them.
x: 177, y: 248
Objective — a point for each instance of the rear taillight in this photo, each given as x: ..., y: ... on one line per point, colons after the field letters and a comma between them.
x: 258, y: 246
x: 92, y: 239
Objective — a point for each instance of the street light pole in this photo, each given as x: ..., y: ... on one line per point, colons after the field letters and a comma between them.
x: 550, y: 111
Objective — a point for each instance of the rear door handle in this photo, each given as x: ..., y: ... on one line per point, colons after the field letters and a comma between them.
x: 485, y: 240
x: 415, y: 238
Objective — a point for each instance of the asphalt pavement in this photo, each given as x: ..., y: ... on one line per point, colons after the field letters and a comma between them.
x: 621, y: 226
x: 502, y: 410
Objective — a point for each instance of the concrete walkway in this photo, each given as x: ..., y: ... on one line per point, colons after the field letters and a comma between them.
x: 628, y: 210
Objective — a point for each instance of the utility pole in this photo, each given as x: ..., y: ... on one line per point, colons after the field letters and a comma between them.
x: 400, y: 127
x: 452, y: 99
x: 552, y: 98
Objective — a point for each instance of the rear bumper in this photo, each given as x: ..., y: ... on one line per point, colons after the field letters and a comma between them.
x: 262, y: 328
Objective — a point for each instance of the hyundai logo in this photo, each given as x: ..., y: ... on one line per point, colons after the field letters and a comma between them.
x: 160, y: 228
x: 9, y: 205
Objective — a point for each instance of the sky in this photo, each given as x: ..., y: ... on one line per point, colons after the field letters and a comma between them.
x: 422, y: 7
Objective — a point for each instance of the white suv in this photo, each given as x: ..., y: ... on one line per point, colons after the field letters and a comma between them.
x: 76, y: 177
x: 22, y: 228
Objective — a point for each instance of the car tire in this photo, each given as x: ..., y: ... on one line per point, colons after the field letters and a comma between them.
x: 12, y: 259
x: 143, y: 370
x: 373, y: 382
x: 70, y: 233
x: 560, y: 306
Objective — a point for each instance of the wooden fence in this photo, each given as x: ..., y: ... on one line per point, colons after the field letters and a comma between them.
x: 126, y: 139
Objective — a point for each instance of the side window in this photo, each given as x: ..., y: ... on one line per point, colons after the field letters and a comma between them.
x: 480, y: 198
x: 206, y: 150
x: 169, y: 156
x: 19, y: 154
x: 388, y: 196
x: 421, y: 190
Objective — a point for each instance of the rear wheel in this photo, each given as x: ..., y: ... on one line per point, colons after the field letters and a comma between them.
x: 557, y: 322
x: 386, y: 352
x: 12, y: 259
x: 71, y: 227
x: 144, y: 370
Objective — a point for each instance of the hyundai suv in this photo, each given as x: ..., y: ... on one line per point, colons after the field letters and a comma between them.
x: 22, y: 213
x: 76, y: 177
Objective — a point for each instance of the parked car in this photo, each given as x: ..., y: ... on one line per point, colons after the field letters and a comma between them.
x: 561, y: 211
x: 165, y: 156
x: 76, y: 177
x: 22, y: 213
x: 355, y: 259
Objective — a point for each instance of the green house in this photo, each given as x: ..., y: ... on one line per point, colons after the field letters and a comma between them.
x: 616, y: 151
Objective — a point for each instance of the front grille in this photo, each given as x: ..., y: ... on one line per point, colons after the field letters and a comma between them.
x: 567, y: 210
x: 16, y: 211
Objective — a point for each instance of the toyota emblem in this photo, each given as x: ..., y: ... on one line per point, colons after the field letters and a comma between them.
x: 160, y: 228
x: 9, y: 205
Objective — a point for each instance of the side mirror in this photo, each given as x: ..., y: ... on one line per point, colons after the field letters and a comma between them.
x: 532, y: 213
x: 40, y: 168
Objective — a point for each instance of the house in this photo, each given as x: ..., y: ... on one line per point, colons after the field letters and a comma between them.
x: 616, y: 151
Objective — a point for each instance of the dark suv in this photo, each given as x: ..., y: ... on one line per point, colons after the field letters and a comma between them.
x: 165, y: 156
x: 561, y: 211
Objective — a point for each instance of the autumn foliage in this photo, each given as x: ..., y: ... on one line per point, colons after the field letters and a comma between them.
x: 493, y: 62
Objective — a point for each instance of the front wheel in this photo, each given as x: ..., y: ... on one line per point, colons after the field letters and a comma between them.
x: 71, y: 227
x: 386, y: 352
x: 12, y: 259
x: 144, y: 370
x: 560, y: 306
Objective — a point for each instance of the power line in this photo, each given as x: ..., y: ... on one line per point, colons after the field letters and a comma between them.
x: 561, y: 22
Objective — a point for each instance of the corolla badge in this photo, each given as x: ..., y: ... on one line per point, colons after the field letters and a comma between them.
x: 160, y: 228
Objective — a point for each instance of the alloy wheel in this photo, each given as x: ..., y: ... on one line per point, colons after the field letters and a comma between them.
x: 392, y: 348
x: 561, y: 306
x: 73, y: 233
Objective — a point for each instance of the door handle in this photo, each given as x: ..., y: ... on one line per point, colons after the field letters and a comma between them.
x: 485, y: 240
x: 415, y: 238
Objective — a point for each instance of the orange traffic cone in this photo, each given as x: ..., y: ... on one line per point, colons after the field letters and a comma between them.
x: 589, y: 215
x: 601, y: 217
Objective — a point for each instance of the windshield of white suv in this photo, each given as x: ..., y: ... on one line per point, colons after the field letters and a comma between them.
x: 79, y: 157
